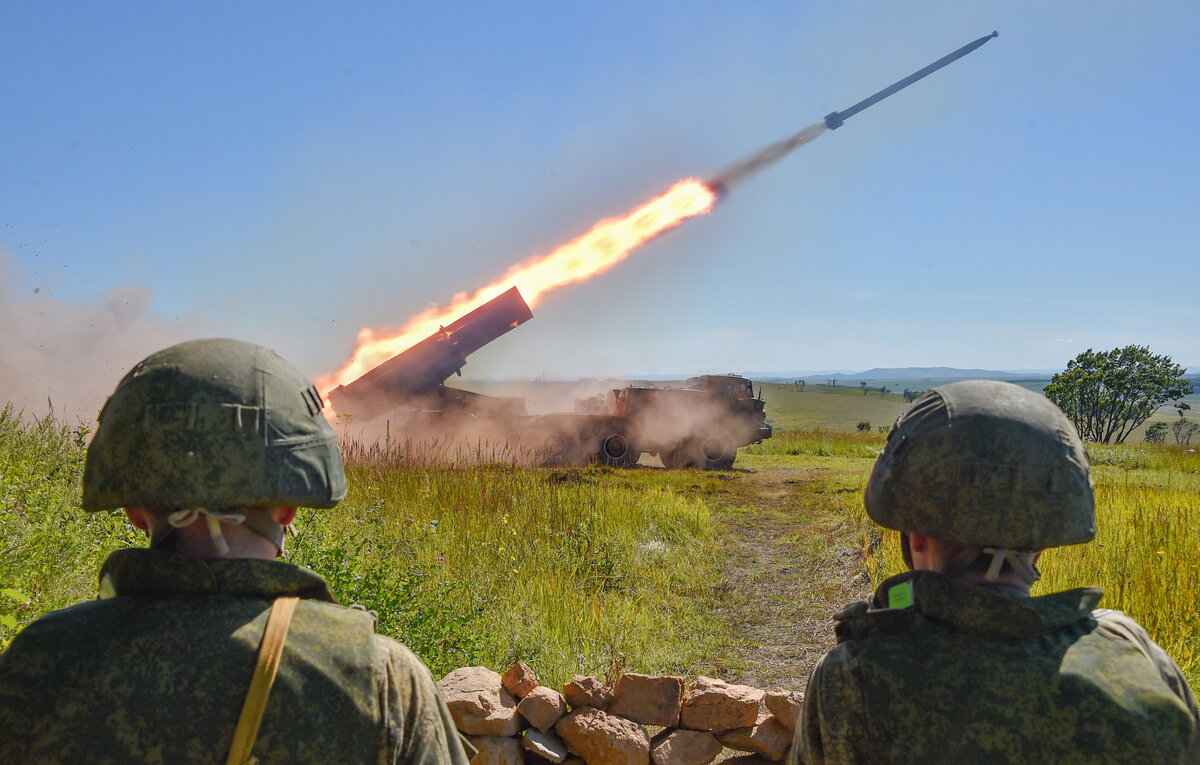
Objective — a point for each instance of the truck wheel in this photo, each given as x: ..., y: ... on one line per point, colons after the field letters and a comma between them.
x: 617, y: 451
x: 687, y: 454
x: 717, y: 453
x: 556, y: 451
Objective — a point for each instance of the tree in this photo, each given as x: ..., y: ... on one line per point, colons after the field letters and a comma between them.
x: 1156, y: 433
x: 1184, y: 428
x: 1108, y: 394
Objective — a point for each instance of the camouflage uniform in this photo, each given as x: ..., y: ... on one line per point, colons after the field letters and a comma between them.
x: 958, y: 665
x: 157, y: 673
x: 973, y: 674
x: 223, y: 432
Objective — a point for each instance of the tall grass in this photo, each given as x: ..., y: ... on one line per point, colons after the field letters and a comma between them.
x: 469, y: 562
x: 559, y: 568
x: 50, y: 551
x: 819, y: 443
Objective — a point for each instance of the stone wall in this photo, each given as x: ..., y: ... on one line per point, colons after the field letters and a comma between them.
x: 511, y: 719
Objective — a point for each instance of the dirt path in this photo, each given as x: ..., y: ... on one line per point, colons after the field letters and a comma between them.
x: 793, y: 561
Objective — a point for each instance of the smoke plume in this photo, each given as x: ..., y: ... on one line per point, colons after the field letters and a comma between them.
x: 764, y: 158
x: 66, y: 357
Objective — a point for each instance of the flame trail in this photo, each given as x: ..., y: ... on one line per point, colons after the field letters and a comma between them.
x: 608, y: 243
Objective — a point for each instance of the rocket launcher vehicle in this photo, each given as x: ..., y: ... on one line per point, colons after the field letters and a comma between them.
x: 420, y: 371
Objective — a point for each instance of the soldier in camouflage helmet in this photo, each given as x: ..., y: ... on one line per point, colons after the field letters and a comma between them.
x: 203, y: 648
x: 954, y: 662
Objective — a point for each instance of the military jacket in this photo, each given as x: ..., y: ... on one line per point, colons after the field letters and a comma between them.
x: 157, y: 673
x: 937, y: 670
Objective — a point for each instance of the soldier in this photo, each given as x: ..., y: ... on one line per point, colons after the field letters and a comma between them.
x: 203, y: 648
x: 953, y: 661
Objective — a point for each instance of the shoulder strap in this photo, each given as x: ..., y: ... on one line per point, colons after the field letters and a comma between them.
x: 269, y: 653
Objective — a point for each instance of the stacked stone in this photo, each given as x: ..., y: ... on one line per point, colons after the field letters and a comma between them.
x: 511, y: 719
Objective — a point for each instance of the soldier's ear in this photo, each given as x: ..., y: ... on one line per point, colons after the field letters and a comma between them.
x: 138, y: 517
x: 283, y: 515
x: 918, y: 543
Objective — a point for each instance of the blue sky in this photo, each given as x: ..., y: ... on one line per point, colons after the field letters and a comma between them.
x: 289, y: 172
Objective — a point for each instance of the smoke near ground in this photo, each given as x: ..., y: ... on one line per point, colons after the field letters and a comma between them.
x: 66, y: 357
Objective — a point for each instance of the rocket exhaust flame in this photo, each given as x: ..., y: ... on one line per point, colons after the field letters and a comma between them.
x: 607, y: 243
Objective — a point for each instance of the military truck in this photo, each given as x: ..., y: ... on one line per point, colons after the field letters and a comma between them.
x: 701, y: 424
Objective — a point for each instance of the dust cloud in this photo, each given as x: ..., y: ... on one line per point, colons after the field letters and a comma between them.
x: 544, y: 396
x: 64, y: 357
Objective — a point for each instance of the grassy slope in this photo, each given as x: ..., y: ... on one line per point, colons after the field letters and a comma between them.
x: 838, y: 408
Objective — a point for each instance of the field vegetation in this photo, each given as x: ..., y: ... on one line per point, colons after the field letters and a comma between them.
x: 594, y: 569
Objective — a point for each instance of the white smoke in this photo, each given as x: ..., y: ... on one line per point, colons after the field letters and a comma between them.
x: 66, y: 357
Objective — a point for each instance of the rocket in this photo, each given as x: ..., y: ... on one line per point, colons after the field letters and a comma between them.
x: 769, y: 155
x: 835, y: 120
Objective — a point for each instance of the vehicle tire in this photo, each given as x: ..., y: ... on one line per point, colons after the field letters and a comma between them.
x: 685, y: 455
x: 617, y: 451
x: 557, y: 451
x: 716, y: 453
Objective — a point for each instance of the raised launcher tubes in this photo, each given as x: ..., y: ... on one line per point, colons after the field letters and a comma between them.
x: 420, y: 371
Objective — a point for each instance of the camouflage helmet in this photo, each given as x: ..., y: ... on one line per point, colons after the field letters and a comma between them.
x: 982, y: 462
x: 214, y: 424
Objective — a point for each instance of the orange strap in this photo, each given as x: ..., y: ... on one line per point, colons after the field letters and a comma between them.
x: 269, y: 653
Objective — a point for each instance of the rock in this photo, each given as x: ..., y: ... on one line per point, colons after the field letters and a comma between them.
x: 519, y: 680
x: 647, y: 699
x: 712, y: 704
x: 785, y: 705
x: 545, y: 745
x: 542, y: 707
x: 748, y: 759
x: 771, y: 739
x: 684, y: 747
x: 496, y: 750
x: 587, y: 692
x: 604, y: 739
x: 479, y: 703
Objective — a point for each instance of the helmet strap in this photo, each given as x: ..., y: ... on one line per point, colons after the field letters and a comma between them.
x: 257, y: 520
x: 1021, y: 562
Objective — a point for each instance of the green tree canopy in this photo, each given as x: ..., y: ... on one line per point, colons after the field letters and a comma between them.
x: 1108, y: 394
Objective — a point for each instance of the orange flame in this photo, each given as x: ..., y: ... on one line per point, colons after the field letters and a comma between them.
x: 607, y: 244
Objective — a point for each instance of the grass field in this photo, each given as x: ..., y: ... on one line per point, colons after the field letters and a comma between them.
x: 593, y: 569
x: 571, y: 570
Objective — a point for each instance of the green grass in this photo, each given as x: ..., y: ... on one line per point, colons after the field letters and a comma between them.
x: 564, y: 569
x: 819, y: 443
x: 579, y: 570
x: 570, y: 570
x: 837, y: 409
x: 50, y: 551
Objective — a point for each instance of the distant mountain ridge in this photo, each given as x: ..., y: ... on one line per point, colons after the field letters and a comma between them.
x: 912, y: 373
